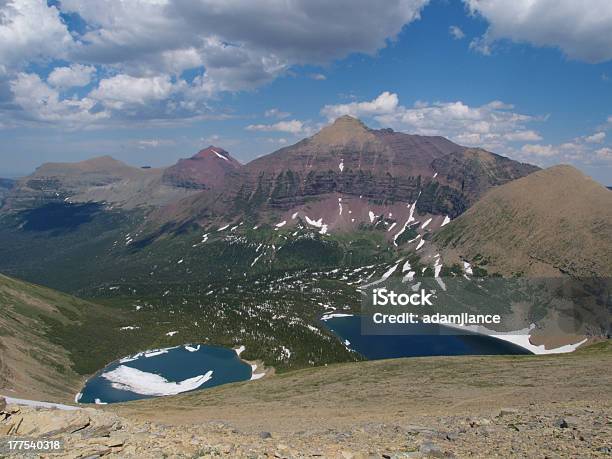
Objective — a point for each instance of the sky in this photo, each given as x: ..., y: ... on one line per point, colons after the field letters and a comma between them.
x: 152, y: 81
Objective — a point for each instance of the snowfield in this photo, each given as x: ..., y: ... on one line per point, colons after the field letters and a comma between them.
x: 141, y: 382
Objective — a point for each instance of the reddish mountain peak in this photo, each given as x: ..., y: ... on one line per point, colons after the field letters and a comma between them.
x: 207, y: 169
x: 212, y: 151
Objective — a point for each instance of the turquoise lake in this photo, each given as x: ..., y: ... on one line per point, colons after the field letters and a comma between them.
x: 165, y: 372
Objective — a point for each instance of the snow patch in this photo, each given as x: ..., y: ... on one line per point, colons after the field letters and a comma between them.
x: 256, y: 376
x: 326, y: 317
x: 141, y: 382
x: 317, y: 223
x: 220, y: 156
x: 446, y: 221
x: 240, y: 350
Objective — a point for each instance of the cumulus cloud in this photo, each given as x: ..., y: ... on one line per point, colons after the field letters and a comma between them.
x: 581, y: 29
x: 76, y: 75
x: 292, y: 127
x: 385, y: 103
x: 42, y: 103
x: 117, y: 91
x: 604, y: 153
x: 539, y: 150
x: 598, y: 137
x: 456, y: 32
x: 492, y: 125
x: 582, y: 150
x: 145, y: 46
x: 30, y: 31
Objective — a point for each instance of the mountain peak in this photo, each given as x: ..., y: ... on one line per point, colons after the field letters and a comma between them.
x: 210, y: 151
x: 348, y: 122
x: 346, y: 129
x: 206, y: 169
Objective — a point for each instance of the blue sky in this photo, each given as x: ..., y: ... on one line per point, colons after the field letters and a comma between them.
x: 150, y: 81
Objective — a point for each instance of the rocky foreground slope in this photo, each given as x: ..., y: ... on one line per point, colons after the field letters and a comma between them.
x: 555, y: 406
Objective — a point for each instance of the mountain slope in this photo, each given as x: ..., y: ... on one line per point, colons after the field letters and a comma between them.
x: 6, y: 185
x: 209, y: 168
x: 101, y: 179
x: 30, y: 363
x: 555, y: 220
x: 348, y: 160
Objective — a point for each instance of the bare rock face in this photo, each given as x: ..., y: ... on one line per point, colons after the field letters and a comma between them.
x: 208, y: 169
x: 380, y: 165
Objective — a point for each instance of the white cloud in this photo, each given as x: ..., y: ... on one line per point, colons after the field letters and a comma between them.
x: 539, y: 150
x: 385, y: 103
x: 146, y: 45
x: 29, y: 31
x: 493, y: 125
x: 581, y: 29
x: 42, y: 103
x: 598, y: 137
x: 276, y: 113
x: 292, y: 127
x: 121, y: 90
x: 523, y: 136
x: 581, y: 151
x: 604, y: 153
x: 456, y: 32
x: 318, y: 76
x: 237, y: 40
x: 76, y: 75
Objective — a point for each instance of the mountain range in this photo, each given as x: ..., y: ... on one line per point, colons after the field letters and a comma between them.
x: 213, y: 248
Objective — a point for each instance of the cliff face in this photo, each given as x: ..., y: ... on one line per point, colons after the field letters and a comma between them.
x: 382, y: 166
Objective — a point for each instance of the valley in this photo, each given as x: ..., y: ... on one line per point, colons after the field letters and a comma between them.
x: 213, y: 252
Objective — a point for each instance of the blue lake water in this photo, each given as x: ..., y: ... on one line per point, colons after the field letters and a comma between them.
x: 427, y: 340
x: 165, y: 372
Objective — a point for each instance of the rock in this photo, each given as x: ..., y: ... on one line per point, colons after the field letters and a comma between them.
x: 567, y: 422
x: 451, y: 436
x: 508, y: 412
x: 265, y: 435
x: 2, y: 404
x: 429, y: 449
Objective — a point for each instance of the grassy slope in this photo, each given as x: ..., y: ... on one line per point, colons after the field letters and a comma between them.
x: 49, y: 340
x: 30, y: 363
x: 555, y: 220
x: 391, y: 391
